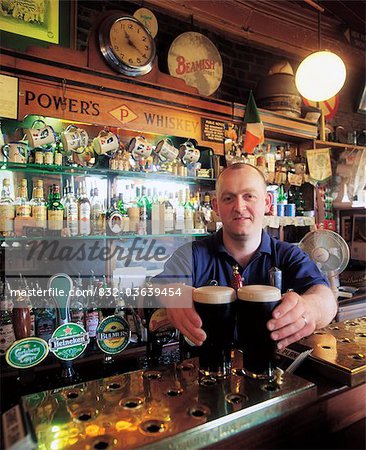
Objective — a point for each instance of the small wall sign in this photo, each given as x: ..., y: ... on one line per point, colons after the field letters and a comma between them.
x: 193, y: 57
x: 27, y: 353
x: 212, y: 130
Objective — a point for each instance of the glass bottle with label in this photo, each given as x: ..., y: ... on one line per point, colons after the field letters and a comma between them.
x: 168, y: 215
x: 78, y: 304
x: 45, y: 321
x: 84, y: 211
x: 22, y: 205
x: 71, y: 212
x: 188, y: 214
x: 55, y: 210
x: 38, y: 205
x: 96, y: 207
x: 114, y: 219
x: 7, y: 336
x: 7, y: 209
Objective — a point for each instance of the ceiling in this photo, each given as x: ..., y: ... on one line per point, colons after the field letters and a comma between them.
x: 349, y: 12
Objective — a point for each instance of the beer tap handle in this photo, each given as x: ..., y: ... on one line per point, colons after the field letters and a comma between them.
x: 60, y: 287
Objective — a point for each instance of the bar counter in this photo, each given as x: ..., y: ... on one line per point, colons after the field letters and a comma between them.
x: 170, y: 407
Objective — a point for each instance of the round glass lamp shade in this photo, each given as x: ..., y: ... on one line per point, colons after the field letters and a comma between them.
x: 320, y: 76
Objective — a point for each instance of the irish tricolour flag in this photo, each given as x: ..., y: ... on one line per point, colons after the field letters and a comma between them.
x: 254, y: 134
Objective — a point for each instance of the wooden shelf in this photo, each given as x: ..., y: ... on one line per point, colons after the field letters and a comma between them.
x: 322, y: 144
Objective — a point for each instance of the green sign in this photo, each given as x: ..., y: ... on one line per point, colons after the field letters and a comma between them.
x: 68, y: 341
x: 113, y: 335
x: 27, y: 353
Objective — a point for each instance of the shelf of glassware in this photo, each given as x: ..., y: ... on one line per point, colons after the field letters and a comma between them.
x: 298, y: 221
x: 101, y: 172
x: 24, y: 239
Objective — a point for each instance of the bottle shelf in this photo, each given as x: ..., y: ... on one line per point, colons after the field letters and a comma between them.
x: 101, y: 172
x: 21, y: 239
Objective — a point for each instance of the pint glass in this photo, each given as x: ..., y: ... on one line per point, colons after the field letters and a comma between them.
x: 216, y: 307
x: 254, y: 309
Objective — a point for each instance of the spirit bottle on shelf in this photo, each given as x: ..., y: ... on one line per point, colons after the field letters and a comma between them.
x: 207, y: 213
x: 179, y: 213
x: 55, y: 209
x: 7, y: 336
x: 168, y: 215
x: 96, y: 212
x: 71, y: 212
x: 188, y: 214
x: 7, y: 209
x: 22, y: 205
x: 38, y: 205
x: 84, y: 211
x: 114, y: 219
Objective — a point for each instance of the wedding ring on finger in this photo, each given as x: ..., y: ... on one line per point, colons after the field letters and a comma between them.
x: 306, y: 322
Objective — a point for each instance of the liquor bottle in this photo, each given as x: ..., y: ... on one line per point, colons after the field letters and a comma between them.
x: 45, y: 321
x: 106, y: 299
x: 179, y: 213
x: 38, y: 205
x: 21, y: 318
x: 55, y: 210
x: 207, y: 213
x: 71, y: 212
x: 7, y: 209
x: 22, y: 205
x: 7, y: 336
x: 141, y: 204
x: 95, y: 212
x: 92, y: 315
x: 28, y: 301
x: 114, y: 219
x: 78, y: 304
x: 168, y: 215
x: 188, y: 214
x: 84, y: 211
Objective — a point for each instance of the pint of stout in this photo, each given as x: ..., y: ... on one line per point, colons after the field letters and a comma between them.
x: 216, y: 307
x: 254, y: 309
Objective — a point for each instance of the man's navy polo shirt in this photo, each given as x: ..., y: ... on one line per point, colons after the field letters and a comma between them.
x: 206, y: 260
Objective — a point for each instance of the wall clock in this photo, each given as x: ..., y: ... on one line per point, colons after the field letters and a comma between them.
x: 127, y: 45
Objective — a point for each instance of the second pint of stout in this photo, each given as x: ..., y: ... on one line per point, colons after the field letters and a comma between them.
x: 254, y: 309
x: 216, y: 307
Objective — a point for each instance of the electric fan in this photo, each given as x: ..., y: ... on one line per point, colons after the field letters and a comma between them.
x: 330, y: 253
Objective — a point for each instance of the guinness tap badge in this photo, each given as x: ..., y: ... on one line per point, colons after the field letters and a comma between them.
x: 195, y: 59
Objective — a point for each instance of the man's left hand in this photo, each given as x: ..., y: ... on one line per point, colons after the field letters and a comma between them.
x: 292, y: 320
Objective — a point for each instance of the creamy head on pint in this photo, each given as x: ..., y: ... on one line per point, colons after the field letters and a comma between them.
x: 214, y: 295
x: 259, y: 293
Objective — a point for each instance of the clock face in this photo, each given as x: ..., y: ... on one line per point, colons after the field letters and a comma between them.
x: 127, y: 45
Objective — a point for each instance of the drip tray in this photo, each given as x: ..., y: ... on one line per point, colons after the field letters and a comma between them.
x: 339, y: 351
x: 160, y: 409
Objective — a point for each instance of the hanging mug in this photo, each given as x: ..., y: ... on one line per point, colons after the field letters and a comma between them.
x: 139, y: 148
x: 105, y: 142
x: 189, y: 153
x: 166, y: 150
x: 74, y: 138
x: 40, y: 136
x: 16, y: 152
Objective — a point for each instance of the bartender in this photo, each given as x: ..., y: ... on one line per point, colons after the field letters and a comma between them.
x: 241, y: 201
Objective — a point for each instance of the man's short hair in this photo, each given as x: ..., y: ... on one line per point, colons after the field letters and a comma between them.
x: 238, y: 166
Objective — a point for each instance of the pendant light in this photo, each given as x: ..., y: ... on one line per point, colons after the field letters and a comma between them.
x: 321, y: 75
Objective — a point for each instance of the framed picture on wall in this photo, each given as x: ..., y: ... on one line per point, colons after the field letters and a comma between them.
x: 38, y: 19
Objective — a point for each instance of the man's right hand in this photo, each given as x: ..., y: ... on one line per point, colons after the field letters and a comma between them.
x: 188, y: 322
x: 182, y: 315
